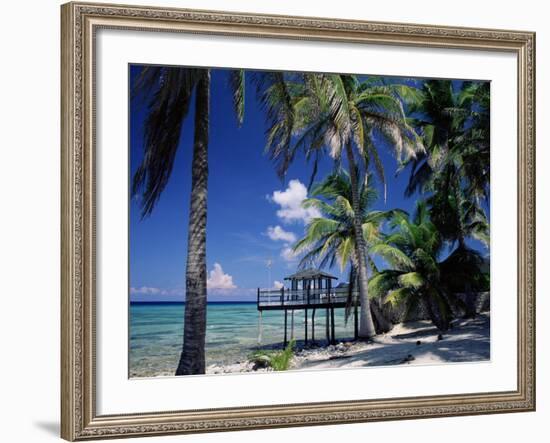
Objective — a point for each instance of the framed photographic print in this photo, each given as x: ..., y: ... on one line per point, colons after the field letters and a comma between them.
x: 282, y: 221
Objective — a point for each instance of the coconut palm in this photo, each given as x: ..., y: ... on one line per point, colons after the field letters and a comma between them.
x: 344, y: 116
x: 454, y: 170
x: 416, y: 273
x: 330, y: 239
x: 169, y: 91
x: 474, y: 143
x: 456, y: 215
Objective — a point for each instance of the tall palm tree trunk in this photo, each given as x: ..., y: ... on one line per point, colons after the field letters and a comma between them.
x: 192, y: 359
x: 366, y: 324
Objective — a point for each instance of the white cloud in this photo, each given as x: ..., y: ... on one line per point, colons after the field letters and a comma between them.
x: 290, y: 200
x: 219, y: 280
x: 288, y: 254
x: 277, y: 233
x: 148, y: 290
x: 277, y: 284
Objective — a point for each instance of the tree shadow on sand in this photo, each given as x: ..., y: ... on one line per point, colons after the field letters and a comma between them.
x: 468, y: 341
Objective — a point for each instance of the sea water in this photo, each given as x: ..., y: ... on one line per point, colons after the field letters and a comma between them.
x: 156, y: 333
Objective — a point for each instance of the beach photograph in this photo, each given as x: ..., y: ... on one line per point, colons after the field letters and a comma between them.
x: 287, y: 221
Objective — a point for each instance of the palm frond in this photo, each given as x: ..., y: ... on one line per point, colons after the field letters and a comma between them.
x: 393, y: 255
x: 237, y: 83
x: 167, y: 110
x: 412, y: 280
x: 398, y: 296
x: 276, y: 100
x: 381, y: 283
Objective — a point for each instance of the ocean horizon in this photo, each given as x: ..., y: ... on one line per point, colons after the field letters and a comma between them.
x: 162, y: 302
x: 156, y: 333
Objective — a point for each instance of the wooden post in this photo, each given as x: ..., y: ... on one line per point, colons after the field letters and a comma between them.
x: 313, y: 326
x: 327, y: 325
x: 258, y: 298
x: 286, y: 315
x: 306, y: 326
x: 260, y: 328
x: 292, y: 325
x: 282, y: 295
x: 333, y: 338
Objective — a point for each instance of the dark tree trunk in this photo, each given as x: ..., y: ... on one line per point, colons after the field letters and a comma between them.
x: 438, y: 312
x: 381, y: 323
x: 366, y: 324
x: 192, y: 359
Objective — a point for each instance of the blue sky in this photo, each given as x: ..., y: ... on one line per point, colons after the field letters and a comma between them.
x: 253, y: 216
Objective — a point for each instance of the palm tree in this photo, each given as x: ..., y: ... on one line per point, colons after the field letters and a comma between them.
x: 456, y: 215
x: 330, y: 238
x: 454, y: 170
x: 417, y: 275
x: 475, y: 142
x: 345, y: 116
x: 170, y: 91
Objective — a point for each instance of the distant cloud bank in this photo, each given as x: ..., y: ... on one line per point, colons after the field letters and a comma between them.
x: 149, y: 290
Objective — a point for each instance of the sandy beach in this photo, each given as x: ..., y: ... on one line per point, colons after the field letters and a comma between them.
x: 413, y: 343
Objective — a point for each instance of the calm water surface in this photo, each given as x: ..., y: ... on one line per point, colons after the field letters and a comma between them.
x: 156, y: 333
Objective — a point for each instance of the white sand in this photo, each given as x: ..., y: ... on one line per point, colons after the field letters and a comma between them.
x: 467, y: 341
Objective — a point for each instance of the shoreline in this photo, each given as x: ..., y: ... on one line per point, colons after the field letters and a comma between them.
x: 415, y: 343
x: 410, y: 343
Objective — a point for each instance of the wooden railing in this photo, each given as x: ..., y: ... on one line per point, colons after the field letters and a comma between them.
x: 314, y: 297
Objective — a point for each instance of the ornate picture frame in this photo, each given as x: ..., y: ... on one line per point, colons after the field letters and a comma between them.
x: 80, y: 22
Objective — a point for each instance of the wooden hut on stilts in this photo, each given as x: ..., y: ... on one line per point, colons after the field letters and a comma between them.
x: 311, y: 290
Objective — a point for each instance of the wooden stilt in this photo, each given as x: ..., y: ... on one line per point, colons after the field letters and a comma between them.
x: 292, y: 325
x: 327, y: 325
x: 333, y: 338
x: 305, y: 317
x: 313, y: 326
x: 260, y: 328
x: 286, y: 315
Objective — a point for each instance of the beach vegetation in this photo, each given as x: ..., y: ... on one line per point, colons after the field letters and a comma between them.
x: 419, y: 274
x: 277, y: 360
x: 453, y: 170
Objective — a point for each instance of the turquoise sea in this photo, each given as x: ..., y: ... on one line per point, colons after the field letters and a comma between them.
x: 156, y: 333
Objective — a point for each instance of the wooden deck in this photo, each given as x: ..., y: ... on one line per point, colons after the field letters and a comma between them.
x: 280, y: 299
x: 312, y: 300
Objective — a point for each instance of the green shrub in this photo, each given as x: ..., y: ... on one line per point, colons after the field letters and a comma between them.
x: 278, y: 360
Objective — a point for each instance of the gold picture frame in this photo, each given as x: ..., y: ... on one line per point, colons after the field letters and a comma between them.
x: 80, y: 21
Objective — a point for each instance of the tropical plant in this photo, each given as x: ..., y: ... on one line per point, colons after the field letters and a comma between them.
x: 330, y: 238
x: 278, y: 360
x: 417, y: 274
x: 474, y: 144
x: 454, y: 169
x: 169, y: 92
x: 345, y: 116
x: 456, y: 215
